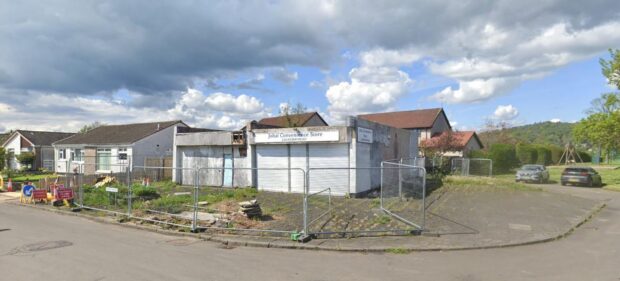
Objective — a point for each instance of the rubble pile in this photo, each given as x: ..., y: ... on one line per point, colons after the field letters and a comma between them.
x: 250, y: 209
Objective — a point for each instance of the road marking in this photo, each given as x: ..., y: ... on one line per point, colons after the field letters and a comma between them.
x: 523, y: 227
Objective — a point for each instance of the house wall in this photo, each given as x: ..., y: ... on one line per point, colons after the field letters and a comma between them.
x: 88, y: 164
x: 44, y: 157
x: 156, y: 145
x: 315, y: 121
x: 14, y: 144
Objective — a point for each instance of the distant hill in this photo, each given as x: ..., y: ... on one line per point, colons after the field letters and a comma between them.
x: 537, y: 133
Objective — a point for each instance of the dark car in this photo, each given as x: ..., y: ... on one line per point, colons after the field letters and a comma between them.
x: 532, y: 173
x: 582, y: 176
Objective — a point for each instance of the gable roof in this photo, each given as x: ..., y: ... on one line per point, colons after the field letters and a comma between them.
x: 281, y: 121
x: 459, y: 139
x: 412, y: 119
x: 39, y: 138
x: 118, y: 134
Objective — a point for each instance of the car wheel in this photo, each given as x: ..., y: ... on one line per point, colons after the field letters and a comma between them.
x: 590, y: 183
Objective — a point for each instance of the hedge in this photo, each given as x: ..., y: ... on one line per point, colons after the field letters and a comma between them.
x: 526, y: 154
x: 503, y: 156
x: 556, y: 153
x: 543, y: 155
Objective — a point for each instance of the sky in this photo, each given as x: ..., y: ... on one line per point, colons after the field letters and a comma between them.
x: 219, y: 64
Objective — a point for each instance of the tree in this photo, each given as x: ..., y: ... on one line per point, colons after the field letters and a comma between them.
x: 26, y: 159
x: 600, y: 129
x: 606, y: 103
x: 90, y: 126
x: 290, y: 114
x: 439, y: 145
x: 2, y: 158
x: 611, y: 68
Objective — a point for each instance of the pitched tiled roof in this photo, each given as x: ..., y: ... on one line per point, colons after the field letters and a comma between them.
x: 297, y: 120
x: 459, y: 139
x: 39, y: 138
x: 412, y: 119
x: 118, y: 134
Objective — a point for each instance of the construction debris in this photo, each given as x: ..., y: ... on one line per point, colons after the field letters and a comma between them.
x: 103, y: 181
x: 251, y: 209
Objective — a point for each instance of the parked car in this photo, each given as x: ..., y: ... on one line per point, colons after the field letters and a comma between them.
x: 532, y: 173
x: 581, y: 175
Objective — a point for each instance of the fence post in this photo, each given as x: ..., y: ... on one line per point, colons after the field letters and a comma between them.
x: 195, y: 216
x: 423, y: 199
x: 305, y: 203
x: 400, y: 180
x: 129, y: 191
x: 491, y: 168
x: 381, y: 188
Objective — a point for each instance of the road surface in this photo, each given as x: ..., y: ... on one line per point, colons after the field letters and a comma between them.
x: 39, y: 245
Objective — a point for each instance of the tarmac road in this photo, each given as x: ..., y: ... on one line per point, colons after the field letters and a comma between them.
x: 39, y: 245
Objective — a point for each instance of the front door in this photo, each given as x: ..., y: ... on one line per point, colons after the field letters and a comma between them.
x: 228, y: 170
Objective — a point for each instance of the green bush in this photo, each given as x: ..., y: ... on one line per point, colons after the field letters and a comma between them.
x: 26, y: 159
x: 477, y: 154
x: 556, y: 153
x: 503, y: 156
x: 526, y: 154
x: 543, y: 155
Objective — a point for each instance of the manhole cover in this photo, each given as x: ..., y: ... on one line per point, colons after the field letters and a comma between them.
x: 41, y: 246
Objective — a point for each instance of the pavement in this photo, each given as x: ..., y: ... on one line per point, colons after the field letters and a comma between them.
x: 457, y: 220
x: 35, y: 245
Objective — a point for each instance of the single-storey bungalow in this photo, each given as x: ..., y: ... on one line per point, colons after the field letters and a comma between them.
x: 37, y: 142
x: 452, y: 144
x: 428, y: 122
x: 308, y: 119
x: 276, y: 159
x: 112, y: 148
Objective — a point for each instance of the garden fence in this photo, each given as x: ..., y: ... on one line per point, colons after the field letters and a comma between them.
x: 472, y: 167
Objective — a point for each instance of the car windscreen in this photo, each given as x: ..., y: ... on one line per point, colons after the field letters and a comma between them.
x: 530, y: 168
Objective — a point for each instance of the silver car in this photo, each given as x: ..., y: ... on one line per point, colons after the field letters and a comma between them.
x: 532, y: 173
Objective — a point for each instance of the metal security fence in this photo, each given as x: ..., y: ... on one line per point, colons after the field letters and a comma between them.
x: 472, y: 167
x: 291, y: 202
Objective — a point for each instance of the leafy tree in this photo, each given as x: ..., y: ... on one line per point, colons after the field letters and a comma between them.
x: 607, y: 103
x: 90, y: 126
x: 26, y: 159
x: 600, y: 129
x: 556, y: 153
x: 543, y: 155
x: 611, y: 68
x: 438, y: 146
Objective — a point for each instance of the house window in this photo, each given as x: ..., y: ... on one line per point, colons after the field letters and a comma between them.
x: 103, y: 159
x: 77, y: 155
x: 122, y: 154
x: 62, y: 154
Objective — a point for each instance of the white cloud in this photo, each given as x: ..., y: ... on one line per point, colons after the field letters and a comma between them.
x: 62, y: 113
x: 555, y: 120
x: 283, y: 75
x: 476, y: 90
x: 376, y: 85
x: 505, y: 112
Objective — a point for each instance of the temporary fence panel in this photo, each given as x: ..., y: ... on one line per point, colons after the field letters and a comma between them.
x: 160, y: 200
x: 403, y: 193
x: 330, y: 215
x: 272, y: 157
x: 104, y: 191
x: 472, y: 167
x: 324, y: 157
x: 298, y: 160
x: 233, y: 211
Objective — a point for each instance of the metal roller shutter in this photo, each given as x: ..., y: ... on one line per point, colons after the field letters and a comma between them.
x: 272, y: 156
x: 329, y: 156
x: 298, y: 161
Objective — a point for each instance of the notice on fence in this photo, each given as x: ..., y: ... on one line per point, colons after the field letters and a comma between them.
x: 64, y: 193
x: 111, y: 189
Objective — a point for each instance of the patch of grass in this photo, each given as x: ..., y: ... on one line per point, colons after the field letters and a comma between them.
x: 375, y: 203
x: 173, y: 204
x: 28, y: 177
x: 382, y: 220
x: 397, y: 251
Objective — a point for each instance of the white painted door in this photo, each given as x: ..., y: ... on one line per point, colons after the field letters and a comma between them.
x: 329, y: 156
x: 272, y: 156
